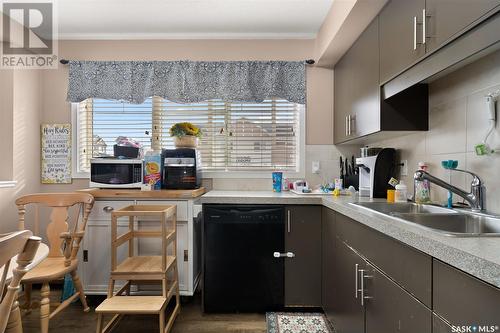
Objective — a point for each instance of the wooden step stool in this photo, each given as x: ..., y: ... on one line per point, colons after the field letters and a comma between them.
x: 142, y: 269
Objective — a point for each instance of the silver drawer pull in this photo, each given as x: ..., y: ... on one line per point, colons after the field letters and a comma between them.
x: 108, y: 209
x: 363, y: 277
x: 284, y: 255
x: 356, y: 271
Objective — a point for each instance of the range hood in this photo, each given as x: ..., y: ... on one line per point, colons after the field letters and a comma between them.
x: 468, y: 47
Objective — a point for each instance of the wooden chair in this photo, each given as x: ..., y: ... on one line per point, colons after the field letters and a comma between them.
x: 23, y: 245
x: 64, y: 242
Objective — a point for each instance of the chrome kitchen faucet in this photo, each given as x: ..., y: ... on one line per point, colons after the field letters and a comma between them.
x: 475, y: 197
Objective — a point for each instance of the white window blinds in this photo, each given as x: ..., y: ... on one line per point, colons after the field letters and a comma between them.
x: 236, y: 136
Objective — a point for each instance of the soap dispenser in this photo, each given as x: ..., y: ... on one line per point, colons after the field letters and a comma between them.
x: 422, y: 187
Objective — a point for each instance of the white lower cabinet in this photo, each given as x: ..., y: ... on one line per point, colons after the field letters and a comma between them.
x: 96, y: 255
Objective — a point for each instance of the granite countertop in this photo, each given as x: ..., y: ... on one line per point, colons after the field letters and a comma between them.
x: 478, y: 256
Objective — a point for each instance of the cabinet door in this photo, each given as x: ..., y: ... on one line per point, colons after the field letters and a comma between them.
x: 303, y: 272
x: 348, y: 313
x: 365, y: 114
x: 449, y: 17
x: 97, y: 244
x: 356, y: 88
x: 462, y: 299
x: 328, y: 285
x: 343, y: 97
x: 397, y: 34
x: 389, y: 308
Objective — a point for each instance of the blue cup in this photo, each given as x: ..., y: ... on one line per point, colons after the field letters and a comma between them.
x: 277, y: 181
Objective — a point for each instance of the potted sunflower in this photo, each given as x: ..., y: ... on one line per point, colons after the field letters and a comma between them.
x: 185, y: 135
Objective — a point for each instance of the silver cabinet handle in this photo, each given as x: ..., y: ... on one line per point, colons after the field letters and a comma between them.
x: 283, y: 255
x: 414, y: 33
x: 363, y: 277
x: 349, y: 119
x: 288, y: 224
x: 356, y: 270
x: 424, y: 18
x: 346, y: 126
x: 108, y: 209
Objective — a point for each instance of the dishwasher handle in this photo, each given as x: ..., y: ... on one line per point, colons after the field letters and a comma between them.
x: 283, y: 255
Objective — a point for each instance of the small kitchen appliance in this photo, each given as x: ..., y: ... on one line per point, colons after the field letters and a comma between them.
x: 375, y: 172
x: 115, y: 173
x: 181, y: 169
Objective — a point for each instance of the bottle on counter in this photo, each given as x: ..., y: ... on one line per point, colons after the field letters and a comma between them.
x: 422, y: 187
x: 401, y: 194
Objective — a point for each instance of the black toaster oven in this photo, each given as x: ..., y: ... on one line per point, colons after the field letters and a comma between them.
x: 181, y: 169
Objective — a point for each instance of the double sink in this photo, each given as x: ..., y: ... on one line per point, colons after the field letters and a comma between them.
x: 450, y: 222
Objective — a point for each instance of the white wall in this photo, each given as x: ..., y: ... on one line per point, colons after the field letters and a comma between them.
x: 458, y: 121
x: 25, y: 157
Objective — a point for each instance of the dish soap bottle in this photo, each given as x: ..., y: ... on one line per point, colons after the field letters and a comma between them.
x: 401, y: 193
x: 422, y: 187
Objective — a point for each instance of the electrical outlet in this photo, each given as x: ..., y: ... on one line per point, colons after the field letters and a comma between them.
x: 315, y: 167
x: 404, y: 168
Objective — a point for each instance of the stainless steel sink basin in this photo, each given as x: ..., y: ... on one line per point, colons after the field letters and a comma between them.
x: 456, y: 224
x: 405, y: 207
x: 443, y: 220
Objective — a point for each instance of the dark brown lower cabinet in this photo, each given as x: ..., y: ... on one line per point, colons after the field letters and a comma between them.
x: 464, y: 300
x: 369, y: 301
x: 389, y: 308
x: 348, y: 313
x: 328, y: 272
x: 303, y: 271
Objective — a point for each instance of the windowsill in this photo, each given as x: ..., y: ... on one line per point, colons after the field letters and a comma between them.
x: 8, y: 183
x: 225, y: 174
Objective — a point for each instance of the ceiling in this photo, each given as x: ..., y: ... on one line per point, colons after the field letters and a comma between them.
x: 126, y: 19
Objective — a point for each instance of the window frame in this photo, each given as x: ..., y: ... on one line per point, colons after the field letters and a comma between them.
x: 230, y: 174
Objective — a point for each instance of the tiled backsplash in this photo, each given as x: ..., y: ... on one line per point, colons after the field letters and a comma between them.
x: 327, y: 155
x: 458, y: 121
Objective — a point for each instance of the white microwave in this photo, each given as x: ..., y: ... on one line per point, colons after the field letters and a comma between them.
x: 115, y: 173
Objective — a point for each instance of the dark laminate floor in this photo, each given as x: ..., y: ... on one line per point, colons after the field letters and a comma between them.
x: 190, y: 320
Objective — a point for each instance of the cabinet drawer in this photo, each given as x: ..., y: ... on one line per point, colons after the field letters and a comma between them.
x: 102, y: 209
x: 182, y: 207
x: 409, y: 267
x: 392, y: 309
x: 462, y: 299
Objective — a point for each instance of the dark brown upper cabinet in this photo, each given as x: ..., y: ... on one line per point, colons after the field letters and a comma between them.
x: 445, y: 19
x: 359, y: 109
x: 410, y: 29
x: 400, y: 36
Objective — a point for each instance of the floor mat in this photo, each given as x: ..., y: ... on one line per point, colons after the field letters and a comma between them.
x: 297, y: 322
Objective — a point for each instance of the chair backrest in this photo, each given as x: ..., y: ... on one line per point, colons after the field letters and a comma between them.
x: 60, y: 204
x: 24, y: 245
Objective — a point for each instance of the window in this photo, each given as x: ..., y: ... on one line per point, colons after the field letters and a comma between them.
x: 236, y: 136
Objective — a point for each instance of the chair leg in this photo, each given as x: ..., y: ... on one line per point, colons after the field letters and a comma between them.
x: 14, y: 324
x: 78, y: 286
x: 27, y: 297
x: 162, y: 320
x: 45, y: 307
x: 99, y: 323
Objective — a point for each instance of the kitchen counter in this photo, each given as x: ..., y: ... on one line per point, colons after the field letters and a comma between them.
x: 478, y: 256
x: 100, y: 193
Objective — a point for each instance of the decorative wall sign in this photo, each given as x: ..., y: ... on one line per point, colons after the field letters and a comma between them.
x: 56, y: 153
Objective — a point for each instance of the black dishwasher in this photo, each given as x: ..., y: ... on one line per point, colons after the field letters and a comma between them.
x: 240, y: 272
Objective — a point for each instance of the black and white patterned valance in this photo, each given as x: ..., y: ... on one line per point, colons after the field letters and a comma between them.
x: 187, y: 81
